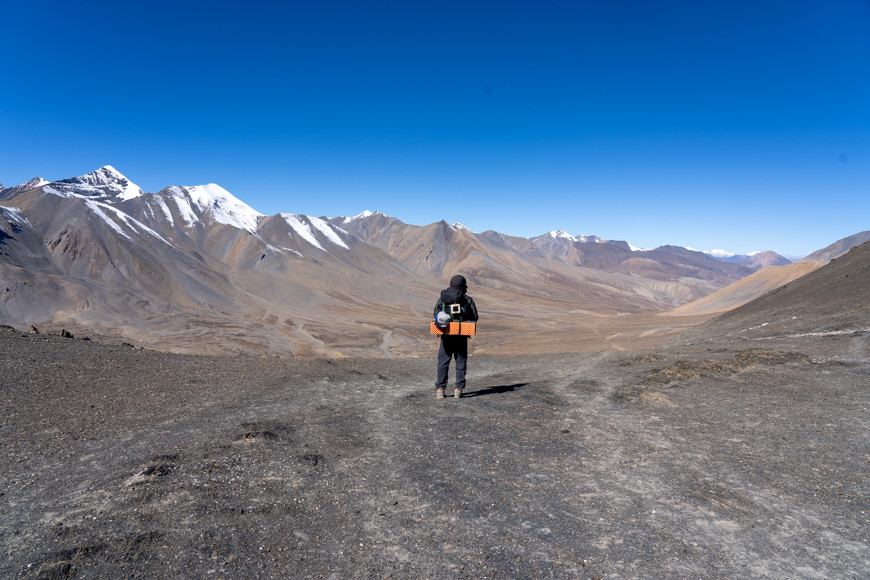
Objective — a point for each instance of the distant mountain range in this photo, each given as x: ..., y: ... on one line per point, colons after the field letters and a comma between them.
x: 194, y: 269
x: 755, y: 260
x: 559, y: 244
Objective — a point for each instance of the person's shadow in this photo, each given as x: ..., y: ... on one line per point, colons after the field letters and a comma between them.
x: 494, y: 390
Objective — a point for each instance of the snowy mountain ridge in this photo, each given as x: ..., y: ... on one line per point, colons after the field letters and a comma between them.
x: 108, y: 185
x: 105, y: 187
x: 360, y: 216
x: 105, y: 182
x: 213, y: 199
x: 583, y: 239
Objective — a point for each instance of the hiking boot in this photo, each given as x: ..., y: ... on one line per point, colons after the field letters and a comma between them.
x: 457, y: 393
x: 439, y: 394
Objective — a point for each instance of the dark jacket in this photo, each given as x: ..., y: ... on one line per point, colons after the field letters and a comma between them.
x: 449, y: 296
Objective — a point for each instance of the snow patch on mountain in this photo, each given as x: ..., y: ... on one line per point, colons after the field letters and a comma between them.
x: 27, y: 185
x: 161, y: 203
x: 306, y: 226
x: 563, y: 235
x: 327, y: 231
x: 53, y: 191
x: 213, y: 199
x: 360, y: 216
x: 726, y: 256
x: 100, y: 208
x: 136, y: 224
x: 13, y: 214
x: 185, y: 210
x: 461, y: 228
x: 276, y: 250
x: 302, y: 229
x: 97, y: 208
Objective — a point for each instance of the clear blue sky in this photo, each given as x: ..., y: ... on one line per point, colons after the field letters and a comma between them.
x: 740, y: 125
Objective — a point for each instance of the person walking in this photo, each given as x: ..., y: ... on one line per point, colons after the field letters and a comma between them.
x: 454, y: 346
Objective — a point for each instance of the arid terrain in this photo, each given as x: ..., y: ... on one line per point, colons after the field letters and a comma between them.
x: 588, y: 445
x: 195, y: 270
x: 741, y: 457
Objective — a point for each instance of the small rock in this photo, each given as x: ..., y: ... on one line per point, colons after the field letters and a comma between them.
x: 33, y: 330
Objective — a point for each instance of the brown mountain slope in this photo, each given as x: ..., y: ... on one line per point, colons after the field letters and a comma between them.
x: 831, y: 299
x: 746, y: 289
x: 765, y: 280
x: 839, y: 248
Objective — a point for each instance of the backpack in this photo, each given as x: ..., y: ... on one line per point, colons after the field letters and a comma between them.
x: 453, y: 302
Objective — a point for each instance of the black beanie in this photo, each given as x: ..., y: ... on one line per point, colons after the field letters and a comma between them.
x: 458, y: 282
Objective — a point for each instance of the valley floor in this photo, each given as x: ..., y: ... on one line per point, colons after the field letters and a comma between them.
x: 750, y: 458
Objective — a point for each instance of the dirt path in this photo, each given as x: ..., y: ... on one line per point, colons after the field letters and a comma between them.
x: 123, y: 463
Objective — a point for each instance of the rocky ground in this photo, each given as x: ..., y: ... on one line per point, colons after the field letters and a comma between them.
x: 721, y: 459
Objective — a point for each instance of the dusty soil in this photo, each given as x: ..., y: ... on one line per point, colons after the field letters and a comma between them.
x: 738, y: 458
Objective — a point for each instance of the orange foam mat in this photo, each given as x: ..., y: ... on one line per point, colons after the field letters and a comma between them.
x: 454, y: 328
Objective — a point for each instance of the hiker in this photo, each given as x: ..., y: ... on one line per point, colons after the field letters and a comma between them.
x: 454, y: 346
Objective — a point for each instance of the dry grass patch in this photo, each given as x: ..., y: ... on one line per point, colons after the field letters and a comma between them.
x: 687, y: 369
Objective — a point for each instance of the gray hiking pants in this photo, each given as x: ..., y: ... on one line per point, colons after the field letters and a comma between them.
x: 452, y: 347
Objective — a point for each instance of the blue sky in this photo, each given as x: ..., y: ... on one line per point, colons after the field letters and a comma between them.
x: 730, y: 125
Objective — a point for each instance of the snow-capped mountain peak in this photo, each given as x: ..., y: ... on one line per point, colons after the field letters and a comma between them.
x: 32, y: 184
x: 105, y: 182
x: 359, y: 216
x: 459, y: 227
x: 223, y: 206
x: 561, y: 235
x: 724, y: 254
x: 22, y: 187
